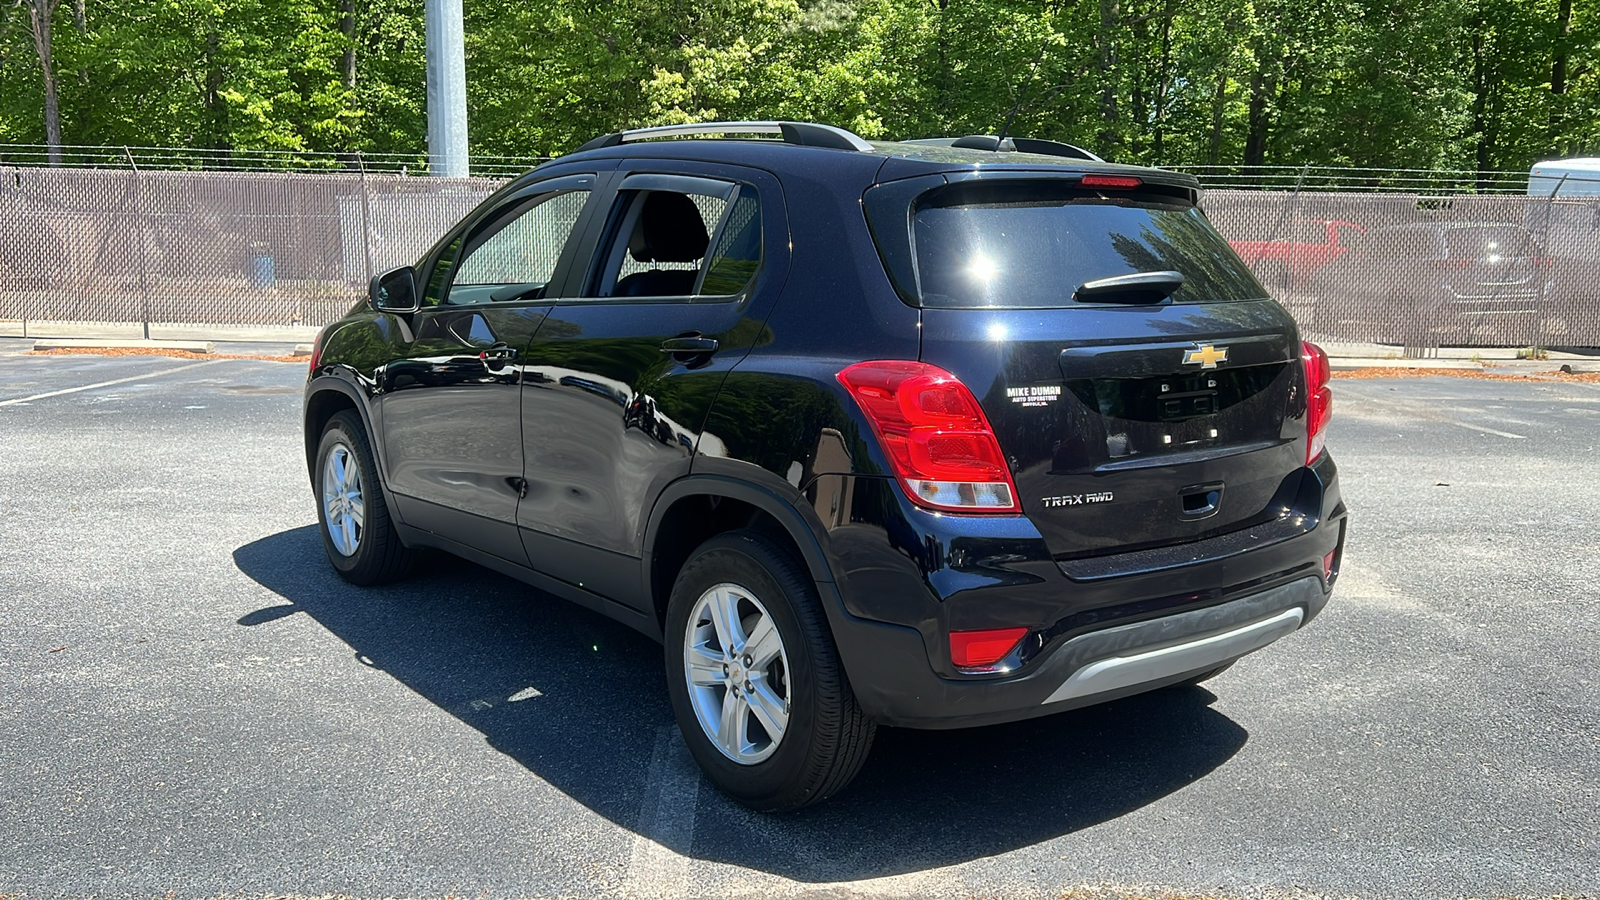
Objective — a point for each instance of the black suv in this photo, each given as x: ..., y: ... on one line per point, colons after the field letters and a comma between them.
x: 929, y: 434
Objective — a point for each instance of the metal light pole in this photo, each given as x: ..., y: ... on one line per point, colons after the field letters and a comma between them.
x: 447, y: 90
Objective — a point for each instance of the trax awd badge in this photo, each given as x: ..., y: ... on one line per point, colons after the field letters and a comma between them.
x: 1207, y: 355
x: 1076, y: 499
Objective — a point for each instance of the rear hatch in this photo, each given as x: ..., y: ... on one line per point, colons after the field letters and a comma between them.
x: 1143, y: 414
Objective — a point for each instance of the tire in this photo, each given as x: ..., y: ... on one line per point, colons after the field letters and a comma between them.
x: 361, y: 541
x: 825, y: 736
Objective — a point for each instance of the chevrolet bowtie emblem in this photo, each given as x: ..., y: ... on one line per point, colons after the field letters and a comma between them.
x: 1206, y: 355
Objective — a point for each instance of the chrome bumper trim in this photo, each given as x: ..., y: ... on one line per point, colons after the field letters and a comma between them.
x: 1121, y: 672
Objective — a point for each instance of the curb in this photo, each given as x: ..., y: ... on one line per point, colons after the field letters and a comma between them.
x: 93, y: 344
x: 1358, y: 362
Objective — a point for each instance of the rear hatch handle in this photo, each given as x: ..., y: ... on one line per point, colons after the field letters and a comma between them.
x: 1139, y: 287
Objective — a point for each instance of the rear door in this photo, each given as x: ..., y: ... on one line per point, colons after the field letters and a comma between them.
x: 686, y: 262
x: 1131, y: 417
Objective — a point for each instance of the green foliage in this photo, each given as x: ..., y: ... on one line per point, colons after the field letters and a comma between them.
x: 1490, y: 84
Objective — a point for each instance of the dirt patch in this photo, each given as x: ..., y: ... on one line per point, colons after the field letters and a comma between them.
x: 154, y: 351
x: 1479, y: 374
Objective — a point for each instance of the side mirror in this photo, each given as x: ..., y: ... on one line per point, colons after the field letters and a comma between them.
x: 394, y: 291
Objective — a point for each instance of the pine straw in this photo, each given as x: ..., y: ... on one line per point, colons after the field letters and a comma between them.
x: 1479, y: 374
x: 158, y: 351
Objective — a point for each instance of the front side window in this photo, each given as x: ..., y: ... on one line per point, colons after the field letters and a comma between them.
x: 515, y: 254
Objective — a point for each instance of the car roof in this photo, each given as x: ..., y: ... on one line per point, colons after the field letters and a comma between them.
x: 886, y: 160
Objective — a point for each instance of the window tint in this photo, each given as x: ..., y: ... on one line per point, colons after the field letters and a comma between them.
x: 667, y: 243
x: 520, y: 248
x: 439, y: 278
x: 1035, y: 251
x: 737, y: 254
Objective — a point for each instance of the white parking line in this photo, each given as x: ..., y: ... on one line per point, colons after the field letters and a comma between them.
x: 659, y: 864
x: 90, y: 387
x: 1504, y: 434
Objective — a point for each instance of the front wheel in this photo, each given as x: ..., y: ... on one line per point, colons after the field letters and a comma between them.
x: 755, y: 679
x: 356, y: 531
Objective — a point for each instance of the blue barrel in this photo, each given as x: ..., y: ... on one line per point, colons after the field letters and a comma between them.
x: 263, y: 272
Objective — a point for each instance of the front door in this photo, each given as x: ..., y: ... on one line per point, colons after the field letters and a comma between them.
x: 449, y: 401
x: 620, y: 377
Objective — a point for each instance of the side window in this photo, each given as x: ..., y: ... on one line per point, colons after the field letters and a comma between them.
x: 513, y: 256
x: 736, y: 254
x: 439, y: 277
x: 667, y: 243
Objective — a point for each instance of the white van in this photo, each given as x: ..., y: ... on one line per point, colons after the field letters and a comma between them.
x: 1563, y: 216
x: 1577, y: 177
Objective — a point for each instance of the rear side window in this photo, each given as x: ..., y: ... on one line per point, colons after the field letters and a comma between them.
x: 736, y: 254
x: 672, y: 243
x: 1032, y: 244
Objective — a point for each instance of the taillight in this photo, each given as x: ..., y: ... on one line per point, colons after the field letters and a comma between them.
x: 936, y: 436
x: 1116, y: 182
x: 316, y: 355
x: 1319, y: 398
x: 976, y: 649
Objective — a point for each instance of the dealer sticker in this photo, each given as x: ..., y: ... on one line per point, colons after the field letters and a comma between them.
x: 1037, y: 395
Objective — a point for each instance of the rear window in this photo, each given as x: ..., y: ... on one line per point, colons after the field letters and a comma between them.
x: 1489, y: 242
x: 1032, y: 244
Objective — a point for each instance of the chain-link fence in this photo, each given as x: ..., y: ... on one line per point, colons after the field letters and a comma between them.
x: 1425, y: 271
x: 212, y: 248
x: 203, y: 247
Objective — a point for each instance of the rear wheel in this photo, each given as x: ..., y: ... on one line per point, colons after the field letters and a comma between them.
x: 356, y: 531
x: 755, y: 679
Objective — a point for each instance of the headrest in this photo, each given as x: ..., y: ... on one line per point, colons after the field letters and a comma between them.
x: 670, y: 230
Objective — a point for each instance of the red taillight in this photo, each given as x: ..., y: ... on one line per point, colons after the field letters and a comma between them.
x: 316, y: 354
x: 935, y: 434
x: 1319, y: 398
x: 1118, y: 182
x: 976, y: 649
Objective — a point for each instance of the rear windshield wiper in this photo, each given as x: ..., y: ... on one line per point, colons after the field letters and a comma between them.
x: 1139, y: 287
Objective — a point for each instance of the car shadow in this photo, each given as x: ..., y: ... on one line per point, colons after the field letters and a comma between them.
x: 580, y: 701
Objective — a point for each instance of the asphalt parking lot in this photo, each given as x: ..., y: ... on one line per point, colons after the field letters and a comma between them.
x: 193, y: 703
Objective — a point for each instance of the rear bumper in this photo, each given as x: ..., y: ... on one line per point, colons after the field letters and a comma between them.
x: 895, y: 685
x: 1147, y: 620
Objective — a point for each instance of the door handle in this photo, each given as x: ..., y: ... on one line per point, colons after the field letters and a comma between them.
x: 689, y: 345
x: 690, y: 350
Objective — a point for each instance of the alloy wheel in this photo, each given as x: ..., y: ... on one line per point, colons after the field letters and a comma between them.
x: 737, y: 673
x: 344, y: 508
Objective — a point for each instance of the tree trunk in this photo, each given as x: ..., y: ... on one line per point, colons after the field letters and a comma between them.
x: 1480, y: 102
x: 1558, y: 74
x: 213, y: 93
x: 1163, y: 83
x: 1260, y: 120
x: 347, y: 27
x: 1110, y: 19
x: 1558, y: 65
x: 40, y: 13
x: 80, y: 21
x: 1219, y: 102
x: 944, y: 78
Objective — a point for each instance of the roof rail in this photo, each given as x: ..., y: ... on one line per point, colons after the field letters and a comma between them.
x: 1017, y: 144
x: 805, y: 134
